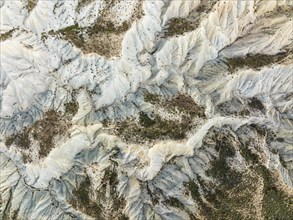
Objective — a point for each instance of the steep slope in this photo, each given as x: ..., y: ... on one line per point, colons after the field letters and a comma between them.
x: 154, y: 109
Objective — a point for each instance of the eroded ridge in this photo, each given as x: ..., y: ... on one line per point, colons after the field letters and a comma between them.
x: 154, y: 109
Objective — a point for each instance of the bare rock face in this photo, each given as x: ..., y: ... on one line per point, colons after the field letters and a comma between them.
x: 146, y: 109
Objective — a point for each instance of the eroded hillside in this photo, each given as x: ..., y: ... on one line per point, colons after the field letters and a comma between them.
x: 146, y: 109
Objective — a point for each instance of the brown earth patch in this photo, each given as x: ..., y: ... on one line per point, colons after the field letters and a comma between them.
x: 156, y: 127
x: 44, y: 131
x: 6, y: 35
x: 104, y: 37
x: 31, y: 4
x: 179, y: 26
x: 254, y: 61
x: 83, y: 198
x: 254, y: 193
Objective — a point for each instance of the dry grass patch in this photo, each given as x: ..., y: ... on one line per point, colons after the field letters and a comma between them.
x: 148, y: 129
x: 6, y: 35
x: 185, y: 104
x: 104, y: 37
x: 179, y: 26
x: 253, y: 193
x: 158, y: 127
x: 254, y: 61
x: 31, y: 4
x: 71, y: 108
x: 82, y: 3
x: 45, y: 131
x: 81, y: 200
x: 103, y: 206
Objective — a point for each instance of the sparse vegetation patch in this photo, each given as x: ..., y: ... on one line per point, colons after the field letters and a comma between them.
x: 71, y: 108
x: 255, y: 103
x: 6, y: 35
x: 151, y: 129
x: 254, y: 61
x: 152, y: 98
x: 21, y: 140
x: 97, y: 207
x: 184, y: 103
x: 241, y: 108
x: 31, y: 4
x: 276, y: 204
x: 156, y: 127
x: 83, y: 3
x: 174, y: 202
x: 104, y: 37
x: 220, y: 169
x: 81, y: 200
x: 250, y: 194
x: 44, y: 131
x: 178, y: 26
